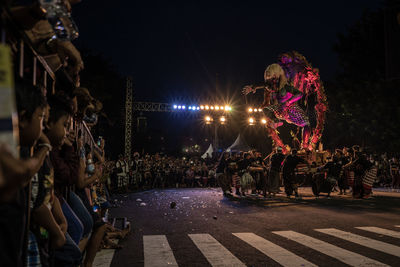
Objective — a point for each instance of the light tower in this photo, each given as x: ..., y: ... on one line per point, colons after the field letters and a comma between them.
x: 128, y: 118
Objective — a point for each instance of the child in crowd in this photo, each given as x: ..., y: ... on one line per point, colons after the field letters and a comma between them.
x: 13, y: 220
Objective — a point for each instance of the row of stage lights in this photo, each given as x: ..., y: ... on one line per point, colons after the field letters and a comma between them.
x: 202, y: 107
x: 208, y: 119
x: 251, y: 110
x: 252, y: 121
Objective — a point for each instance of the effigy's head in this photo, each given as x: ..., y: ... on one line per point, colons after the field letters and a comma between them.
x: 274, y: 77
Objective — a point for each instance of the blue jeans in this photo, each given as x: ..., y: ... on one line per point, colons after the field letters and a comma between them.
x: 69, y: 254
x: 75, y: 226
x: 81, y: 211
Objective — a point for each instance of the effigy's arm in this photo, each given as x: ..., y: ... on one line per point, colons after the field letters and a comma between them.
x: 252, y: 88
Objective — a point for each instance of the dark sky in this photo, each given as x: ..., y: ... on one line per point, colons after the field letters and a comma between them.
x: 177, y: 48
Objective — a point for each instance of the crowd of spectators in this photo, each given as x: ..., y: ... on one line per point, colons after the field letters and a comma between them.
x: 53, y: 193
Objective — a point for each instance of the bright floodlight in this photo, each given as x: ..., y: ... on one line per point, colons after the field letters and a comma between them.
x: 175, y: 106
x: 216, y: 107
x: 230, y: 108
x: 251, y: 121
x: 190, y: 107
x: 222, y: 119
x: 226, y: 108
x: 263, y: 121
x: 183, y: 107
x: 250, y: 110
x: 255, y: 110
x: 208, y: 119
x: 179, y: 107
x: 259, y: 110
x: 211, y: 107
x: 198, y: 108
x: 207, y: 107
x: 221, y: 108
x: 201, y: 107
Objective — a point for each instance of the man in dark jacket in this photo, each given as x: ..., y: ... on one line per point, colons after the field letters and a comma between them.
x: 288, y: 171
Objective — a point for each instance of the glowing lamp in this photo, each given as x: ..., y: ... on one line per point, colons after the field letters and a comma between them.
x: 208, y: 119
x: 255, y: 110
x: 259, y: 110
x: 222, y: 120
x: 179, y: 107
x: 226, y: 108
x: 221, y: 108
x: 198, y: 108
x: 183, y: 107
x: 212, y: 107
x: 201, y: 107
x: 216, y: 107
x: 263, y: 121
x: 175, y: 106
x: 250, y: 110
x: 190, y: 107
x: 207, y: 107
x: 251, y: 121
x: 230, y: 108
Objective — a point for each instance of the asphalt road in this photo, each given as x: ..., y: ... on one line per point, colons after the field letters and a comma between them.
x: 207, y: 229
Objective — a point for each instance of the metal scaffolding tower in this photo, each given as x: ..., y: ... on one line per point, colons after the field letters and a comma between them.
x: 152, y: 107
x: 128, y: 118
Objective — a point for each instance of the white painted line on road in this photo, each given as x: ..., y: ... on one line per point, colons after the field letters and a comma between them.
x: 157, y: 252
x: 363, y: 241
x: 216, y: 254
x: 380, y: 231
x: 104, y: 257
x: 275, y: 252
x: 348, y: 257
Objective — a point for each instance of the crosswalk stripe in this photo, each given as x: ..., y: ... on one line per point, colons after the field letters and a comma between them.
x: 380, y: 231
x: 104, y: 257
x: 348, y: 257
x: 157, y: 251
x: 216, y: 254
x: 363, y: 241
x: 275, y: 252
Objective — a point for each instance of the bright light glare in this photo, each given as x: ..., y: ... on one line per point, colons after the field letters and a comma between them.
x: 230, y: 108
x: 208, y: 118
x: 211, y: 107
x: 207, y: 107
x: 226, y: 108
x: 175, y: 106
x: 222, y: 119
x: 251, y: 120
x: 198, y: 108
x: 179, y: 107
x: 190, y: 107
x: 216, y: 108
x: 259, y: 110
x: 263, y: 121
x: 255, y: 110
x: 221, y: 108
x: 201, y: 107
x: 183, y: 107
x: 250, y: 110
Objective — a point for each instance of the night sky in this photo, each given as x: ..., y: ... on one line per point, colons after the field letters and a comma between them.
x: 179, y: 47
x: 179, y: 50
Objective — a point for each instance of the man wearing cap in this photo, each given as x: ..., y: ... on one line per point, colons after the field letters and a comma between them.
x: 274, y: 172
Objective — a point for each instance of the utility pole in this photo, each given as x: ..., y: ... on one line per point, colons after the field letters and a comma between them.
x: 128, y: 118
x: 216, y: 143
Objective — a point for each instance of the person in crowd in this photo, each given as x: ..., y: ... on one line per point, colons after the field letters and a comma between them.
x: 288, y: 172
x: 122, y: 172
x: 221, y: 174
x: 359, y: 166
x: 246, y: 180
x: 395, y: 172
x: 31, y: 105
x: 274, y: 172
